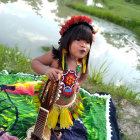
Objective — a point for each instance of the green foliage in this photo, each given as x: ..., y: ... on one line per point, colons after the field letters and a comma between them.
x: 13, y: 60
x: 136, y: 1
x: 51, y: 0
x: 46, y: 48
x: 95, y: 83
x: 98, y: 74
x: 115, y: 11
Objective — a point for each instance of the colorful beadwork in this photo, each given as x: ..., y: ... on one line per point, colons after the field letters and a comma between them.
x: 69, y: 80
x: 79, y: 65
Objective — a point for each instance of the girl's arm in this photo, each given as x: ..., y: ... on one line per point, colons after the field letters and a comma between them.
x: 39, y: 64
x: 46, y: 64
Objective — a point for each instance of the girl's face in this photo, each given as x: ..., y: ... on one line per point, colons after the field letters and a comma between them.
x: 79, y: 48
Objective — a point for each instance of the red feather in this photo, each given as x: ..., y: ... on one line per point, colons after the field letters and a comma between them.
x: 75, y: 19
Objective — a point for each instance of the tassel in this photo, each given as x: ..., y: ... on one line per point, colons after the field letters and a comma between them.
x: 63, y: 58
x: 53, y: 117
x: 65, y: 118
x: 79, y: 111
x: 80, y: 106
x: 84, y: 64
x: 36, y: 102
x: 75, y: 116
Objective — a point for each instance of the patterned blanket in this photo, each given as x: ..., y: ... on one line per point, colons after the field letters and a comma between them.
x: 17, y: 110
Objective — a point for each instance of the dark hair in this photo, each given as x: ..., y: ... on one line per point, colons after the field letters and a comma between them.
x: 77, y: 32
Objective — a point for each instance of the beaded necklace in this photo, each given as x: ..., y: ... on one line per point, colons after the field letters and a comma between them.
x: 69, y: 80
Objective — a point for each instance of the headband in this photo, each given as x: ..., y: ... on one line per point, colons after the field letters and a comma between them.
x: 77, y: 20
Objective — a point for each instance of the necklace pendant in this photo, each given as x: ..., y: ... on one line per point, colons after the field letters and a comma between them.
x: 69, y: 80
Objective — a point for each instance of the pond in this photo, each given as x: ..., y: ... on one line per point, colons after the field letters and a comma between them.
x: 32, y: 24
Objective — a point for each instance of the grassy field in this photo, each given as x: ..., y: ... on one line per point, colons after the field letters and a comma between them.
x: 120, y: 12
x: 14, y: 61
x: 95, y: 83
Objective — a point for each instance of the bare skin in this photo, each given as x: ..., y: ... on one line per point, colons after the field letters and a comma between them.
x: 78, y: 49
x: 39, y: 64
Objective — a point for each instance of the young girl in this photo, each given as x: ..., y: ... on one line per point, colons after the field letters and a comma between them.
x: 71, y: 61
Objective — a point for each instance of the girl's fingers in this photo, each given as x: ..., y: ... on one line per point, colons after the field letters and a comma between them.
x: 55, y: 75
x: 52, y: 77
x: 56, y: 72
x: 59, y: 71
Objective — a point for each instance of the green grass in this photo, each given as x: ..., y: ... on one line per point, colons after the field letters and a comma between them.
x: 14, y: 61
x: 46, y: 48
x: 95, y: 83
x: 119, y: 12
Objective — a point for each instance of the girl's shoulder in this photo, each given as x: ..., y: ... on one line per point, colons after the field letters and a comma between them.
x: 47, y: 59
x: 54, y: 61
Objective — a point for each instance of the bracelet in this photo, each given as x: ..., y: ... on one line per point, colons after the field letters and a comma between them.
x: 47, y: 67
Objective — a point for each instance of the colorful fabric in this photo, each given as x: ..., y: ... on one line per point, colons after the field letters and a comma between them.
x: 17, y: 112
x: 12, y: 121
x: 25, y: 88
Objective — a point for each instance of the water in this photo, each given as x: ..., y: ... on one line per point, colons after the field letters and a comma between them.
x: 32, y: 24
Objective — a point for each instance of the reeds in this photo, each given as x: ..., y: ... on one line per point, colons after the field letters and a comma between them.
x: 95, y: 83
x: 13, y: 60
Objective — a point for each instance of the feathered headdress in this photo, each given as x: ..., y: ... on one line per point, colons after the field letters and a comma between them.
x: 75, y: 20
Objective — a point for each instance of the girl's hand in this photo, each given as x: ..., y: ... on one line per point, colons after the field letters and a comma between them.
x: 76, y: 88
x: 52, y: 74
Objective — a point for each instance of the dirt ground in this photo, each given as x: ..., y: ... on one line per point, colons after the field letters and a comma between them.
x: 128, y: 119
